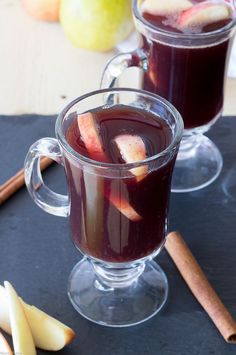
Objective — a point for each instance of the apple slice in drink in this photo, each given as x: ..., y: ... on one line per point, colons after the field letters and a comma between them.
x: 48, y: 333
x: 125, y: 208
x: 90, y: 136
x: 21, y: 333
x: 4, y: 346
x: 132, y: 149
x: 203, y: 14
x: 165, y: 7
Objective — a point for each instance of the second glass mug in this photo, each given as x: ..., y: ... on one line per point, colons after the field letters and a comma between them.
x: 117, y: 283
x: 189, y: 71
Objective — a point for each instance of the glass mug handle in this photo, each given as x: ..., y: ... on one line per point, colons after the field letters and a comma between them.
x: 45, y: 198
x: 119, y: 63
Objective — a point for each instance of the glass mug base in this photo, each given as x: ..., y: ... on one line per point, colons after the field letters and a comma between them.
x: 199, y: 163
x: 133, y: 302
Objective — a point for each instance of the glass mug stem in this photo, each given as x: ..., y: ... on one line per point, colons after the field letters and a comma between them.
x: 118, y: 276
x: 44, y: 197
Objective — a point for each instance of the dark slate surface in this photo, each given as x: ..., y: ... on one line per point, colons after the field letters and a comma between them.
x: 16, y: 135
x: 36, y: 254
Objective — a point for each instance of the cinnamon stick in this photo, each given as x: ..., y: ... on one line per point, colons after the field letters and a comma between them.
x: 200, y: 286
x: 17, y: 181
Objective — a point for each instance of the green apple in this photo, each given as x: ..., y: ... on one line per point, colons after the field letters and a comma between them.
x: 96, y: 24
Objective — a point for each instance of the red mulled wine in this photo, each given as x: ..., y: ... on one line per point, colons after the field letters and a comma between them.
x: 119, y: 218
x: 190, y: 77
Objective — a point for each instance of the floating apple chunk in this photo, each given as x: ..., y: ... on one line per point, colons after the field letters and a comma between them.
x: 48, y: 333
x: 21, y: 333
x: 89, y: 132
x: 132, y: 150
x: 125, y: 208
x: 203, y: 14
x: 4, y: 346
x: 165, y: 7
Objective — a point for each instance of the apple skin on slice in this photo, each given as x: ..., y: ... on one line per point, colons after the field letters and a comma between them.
x: 90, y: 136
x: 132, y: 149
x: 203, y: 14
x: 4, y: 346
x: 165, y: 7
x: 21, y: 333
x: 48, y: 333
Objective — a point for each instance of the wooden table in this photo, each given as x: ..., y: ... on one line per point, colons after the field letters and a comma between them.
x: 41, y: 71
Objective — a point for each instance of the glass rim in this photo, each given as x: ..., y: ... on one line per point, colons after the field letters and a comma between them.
x: 184, y: 36
x: 174, y: 142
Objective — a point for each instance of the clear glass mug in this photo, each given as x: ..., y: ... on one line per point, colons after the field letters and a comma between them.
x: 189, y: 71
x: 116, y: 283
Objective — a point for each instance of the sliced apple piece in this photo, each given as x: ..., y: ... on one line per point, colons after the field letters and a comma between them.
x: 203, y: 14
x: 132, y: 149
x: 4, y: 313
x: 165, y: 7
x: 90, y: 136
x: 4, y: 346
x: 125, y: 208
x: 21, y: 333
x: 48, y: 333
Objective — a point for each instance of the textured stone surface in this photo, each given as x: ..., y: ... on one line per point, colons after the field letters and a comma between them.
x: 36, y: 254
